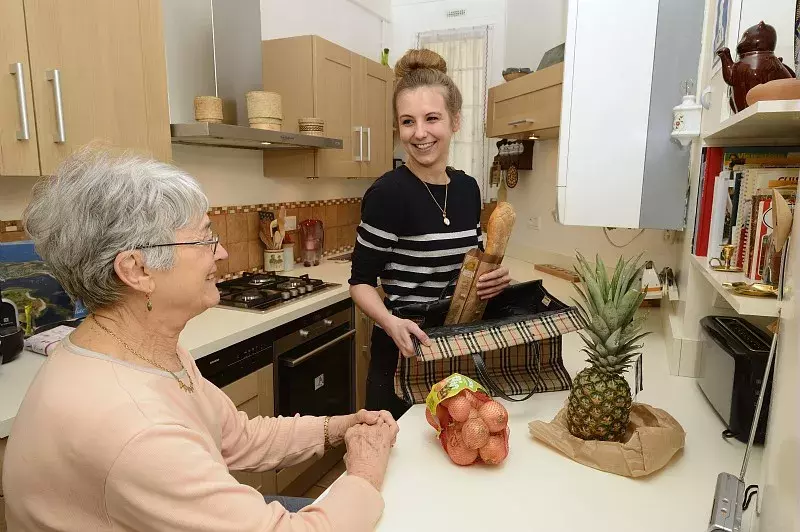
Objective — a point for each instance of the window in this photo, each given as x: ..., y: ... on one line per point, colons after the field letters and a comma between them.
x: 466, y: 51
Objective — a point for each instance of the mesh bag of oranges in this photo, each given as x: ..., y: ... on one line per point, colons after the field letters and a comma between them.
x: 472, y: 427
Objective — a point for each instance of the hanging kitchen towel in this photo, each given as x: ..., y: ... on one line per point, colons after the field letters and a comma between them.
x: 514, y: 351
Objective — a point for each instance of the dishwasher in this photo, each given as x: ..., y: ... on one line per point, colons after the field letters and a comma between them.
x: 315, y: 363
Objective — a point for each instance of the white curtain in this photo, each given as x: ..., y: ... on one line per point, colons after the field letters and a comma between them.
x: 466, y: 51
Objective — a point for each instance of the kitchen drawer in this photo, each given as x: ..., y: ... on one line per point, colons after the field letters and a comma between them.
x: 527, y: 105
x: 243, y: 390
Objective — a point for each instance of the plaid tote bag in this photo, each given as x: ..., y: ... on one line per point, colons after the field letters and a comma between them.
x: 514, y: 350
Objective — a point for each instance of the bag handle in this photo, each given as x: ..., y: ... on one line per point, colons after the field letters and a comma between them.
x: 488, y: 381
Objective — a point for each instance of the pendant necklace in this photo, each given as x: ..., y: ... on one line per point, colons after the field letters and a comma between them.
x: 445, y: 219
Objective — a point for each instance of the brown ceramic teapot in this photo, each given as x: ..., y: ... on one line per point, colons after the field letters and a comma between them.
x: 757, y: 63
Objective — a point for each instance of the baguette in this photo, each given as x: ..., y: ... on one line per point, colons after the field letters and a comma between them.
x: 466, y: 306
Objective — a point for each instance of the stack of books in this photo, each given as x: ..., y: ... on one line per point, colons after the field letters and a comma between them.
x: 735, y: 201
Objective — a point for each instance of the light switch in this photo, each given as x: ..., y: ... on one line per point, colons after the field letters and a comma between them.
x: 290, y: 223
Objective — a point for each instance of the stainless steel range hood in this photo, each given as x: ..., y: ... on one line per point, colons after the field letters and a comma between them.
x: 213, y: 47
x: 202, y: 134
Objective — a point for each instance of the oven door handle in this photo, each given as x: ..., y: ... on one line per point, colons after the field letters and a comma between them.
x: 318, y: 350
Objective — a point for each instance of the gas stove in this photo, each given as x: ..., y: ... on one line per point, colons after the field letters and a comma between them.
x: 257, y: 292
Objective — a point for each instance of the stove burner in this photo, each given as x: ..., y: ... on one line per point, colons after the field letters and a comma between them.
x: 263, y: 291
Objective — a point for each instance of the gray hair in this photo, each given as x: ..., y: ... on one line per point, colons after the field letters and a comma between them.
x: 98, y: 204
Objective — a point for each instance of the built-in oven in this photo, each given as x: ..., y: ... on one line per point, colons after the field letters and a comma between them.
x: 315, y: 363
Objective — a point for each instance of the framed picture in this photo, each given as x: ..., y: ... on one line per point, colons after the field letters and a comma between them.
x: 721, y: 23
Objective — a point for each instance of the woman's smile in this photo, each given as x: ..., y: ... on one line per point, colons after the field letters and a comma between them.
x: 424, y: 146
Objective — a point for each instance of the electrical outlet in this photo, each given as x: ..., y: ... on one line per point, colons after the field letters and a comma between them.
x: 535, y: 223
x: 290, y: 223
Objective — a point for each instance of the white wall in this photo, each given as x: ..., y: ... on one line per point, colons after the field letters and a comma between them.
x: 410, y: 17
x: 346, y: 22
x: 525, y: 46
x: 14, y: 195
x: 236, y: 177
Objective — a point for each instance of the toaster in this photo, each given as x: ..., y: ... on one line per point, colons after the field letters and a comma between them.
x: 733, y: 359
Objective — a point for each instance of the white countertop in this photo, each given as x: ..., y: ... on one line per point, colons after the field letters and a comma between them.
x: 539, y: 489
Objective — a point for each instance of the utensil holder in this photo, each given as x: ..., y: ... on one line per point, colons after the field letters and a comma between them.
x: 273, y: 260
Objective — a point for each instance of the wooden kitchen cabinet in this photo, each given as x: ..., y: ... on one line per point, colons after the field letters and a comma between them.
x: 253, y: 394
x: 351, y: 93
x: 530, y: 105
x: 97, y: 71
x: 378, y: 118
x: 19, y: 153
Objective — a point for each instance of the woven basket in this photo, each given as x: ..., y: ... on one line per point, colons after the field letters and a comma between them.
x: 261, y: 104
x: 208, y: 109
x: 270, y: 124
x: 311, y: 126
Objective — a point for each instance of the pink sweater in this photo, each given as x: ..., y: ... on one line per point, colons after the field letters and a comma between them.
x: 100, y: 444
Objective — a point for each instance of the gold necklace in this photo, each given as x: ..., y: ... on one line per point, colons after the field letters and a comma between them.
x: 443, y: 209
x: 187, y: 388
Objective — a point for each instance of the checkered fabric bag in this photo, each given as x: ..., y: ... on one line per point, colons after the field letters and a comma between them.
x: 514, y: 351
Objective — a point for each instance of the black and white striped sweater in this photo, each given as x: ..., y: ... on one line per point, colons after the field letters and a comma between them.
x: 403, y: 240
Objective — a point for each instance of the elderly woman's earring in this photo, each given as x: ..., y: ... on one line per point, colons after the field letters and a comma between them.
x: 149, y: 303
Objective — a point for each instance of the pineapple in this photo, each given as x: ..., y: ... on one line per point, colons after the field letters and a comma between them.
x: 600, y: 400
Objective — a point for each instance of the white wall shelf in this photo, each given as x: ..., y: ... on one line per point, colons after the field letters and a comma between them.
x: 767, y: 123
x: 750, y: 306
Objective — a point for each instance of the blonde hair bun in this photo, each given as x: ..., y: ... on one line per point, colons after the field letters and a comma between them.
x: 419, y: 59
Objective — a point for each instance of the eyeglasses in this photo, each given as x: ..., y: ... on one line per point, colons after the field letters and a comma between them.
x: 213, y: 243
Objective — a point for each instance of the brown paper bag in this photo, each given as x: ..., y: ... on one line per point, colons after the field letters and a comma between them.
x: 466, y: 306
x: 652, y: 439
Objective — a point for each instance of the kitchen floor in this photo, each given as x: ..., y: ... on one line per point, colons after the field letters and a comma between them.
x: 326, y: 481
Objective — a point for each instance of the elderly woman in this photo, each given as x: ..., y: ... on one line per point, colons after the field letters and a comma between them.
x: 119, y: 431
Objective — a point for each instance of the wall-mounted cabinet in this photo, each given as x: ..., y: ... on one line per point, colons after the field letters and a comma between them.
x: 80, y: 71
x: 351, y: 93
x: 526, y: 106
x: 624, y: 64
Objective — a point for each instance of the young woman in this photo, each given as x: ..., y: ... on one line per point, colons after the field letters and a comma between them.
x: 417, y: 222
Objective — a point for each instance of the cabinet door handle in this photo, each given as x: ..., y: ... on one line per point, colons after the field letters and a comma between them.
x: 17, y: 71
x: 360, y: 131
x: 55, y: 76
x: 369, y: 144
x: 521, y: 121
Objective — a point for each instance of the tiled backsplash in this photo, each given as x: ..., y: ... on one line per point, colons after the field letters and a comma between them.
x: 237, y: 227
